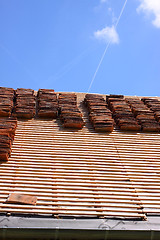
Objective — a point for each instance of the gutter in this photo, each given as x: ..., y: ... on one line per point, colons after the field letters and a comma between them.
x: 12, y: 227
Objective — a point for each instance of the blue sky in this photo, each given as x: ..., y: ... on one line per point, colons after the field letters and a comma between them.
x: 59, y: 43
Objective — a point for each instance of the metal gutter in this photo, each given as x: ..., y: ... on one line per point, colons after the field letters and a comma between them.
x: 12, y: 227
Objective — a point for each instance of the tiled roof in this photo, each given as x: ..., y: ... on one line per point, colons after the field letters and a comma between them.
x: 83, y: 172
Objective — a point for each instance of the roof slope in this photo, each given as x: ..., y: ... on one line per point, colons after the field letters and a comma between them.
x: 82, y: 173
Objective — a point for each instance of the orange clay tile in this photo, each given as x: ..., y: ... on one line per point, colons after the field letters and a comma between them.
x: 21, y: 198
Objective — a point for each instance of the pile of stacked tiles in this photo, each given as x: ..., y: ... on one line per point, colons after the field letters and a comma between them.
x: 154, y: 105
x: 25, y: 103
x: 122, y: 113
x: 7, y: 132
x: 6, y: 101
x: 99, y: 115
x: 144, y: 115
x: 47, y: 103
x: 7, y: 124
x: 70, y: 115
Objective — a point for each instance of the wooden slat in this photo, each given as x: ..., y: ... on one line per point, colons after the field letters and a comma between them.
x: 73, y: 212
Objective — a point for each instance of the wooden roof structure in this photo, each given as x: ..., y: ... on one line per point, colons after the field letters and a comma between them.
x: 82, y: 173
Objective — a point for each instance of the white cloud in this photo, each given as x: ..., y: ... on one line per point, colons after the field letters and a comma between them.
x: 151, y: 7
x: 107, y: 34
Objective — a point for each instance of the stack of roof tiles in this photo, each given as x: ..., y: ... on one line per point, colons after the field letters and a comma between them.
x: 144, y: 115
x: 122, y: 113
x: 7, y: 132
x: 6, y: 101
x: 154, y: 105
x: 7, y: 124
x: 25, y: 103
x: 99, y: 114
x: 70, y: 115
x: 47, y: 103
